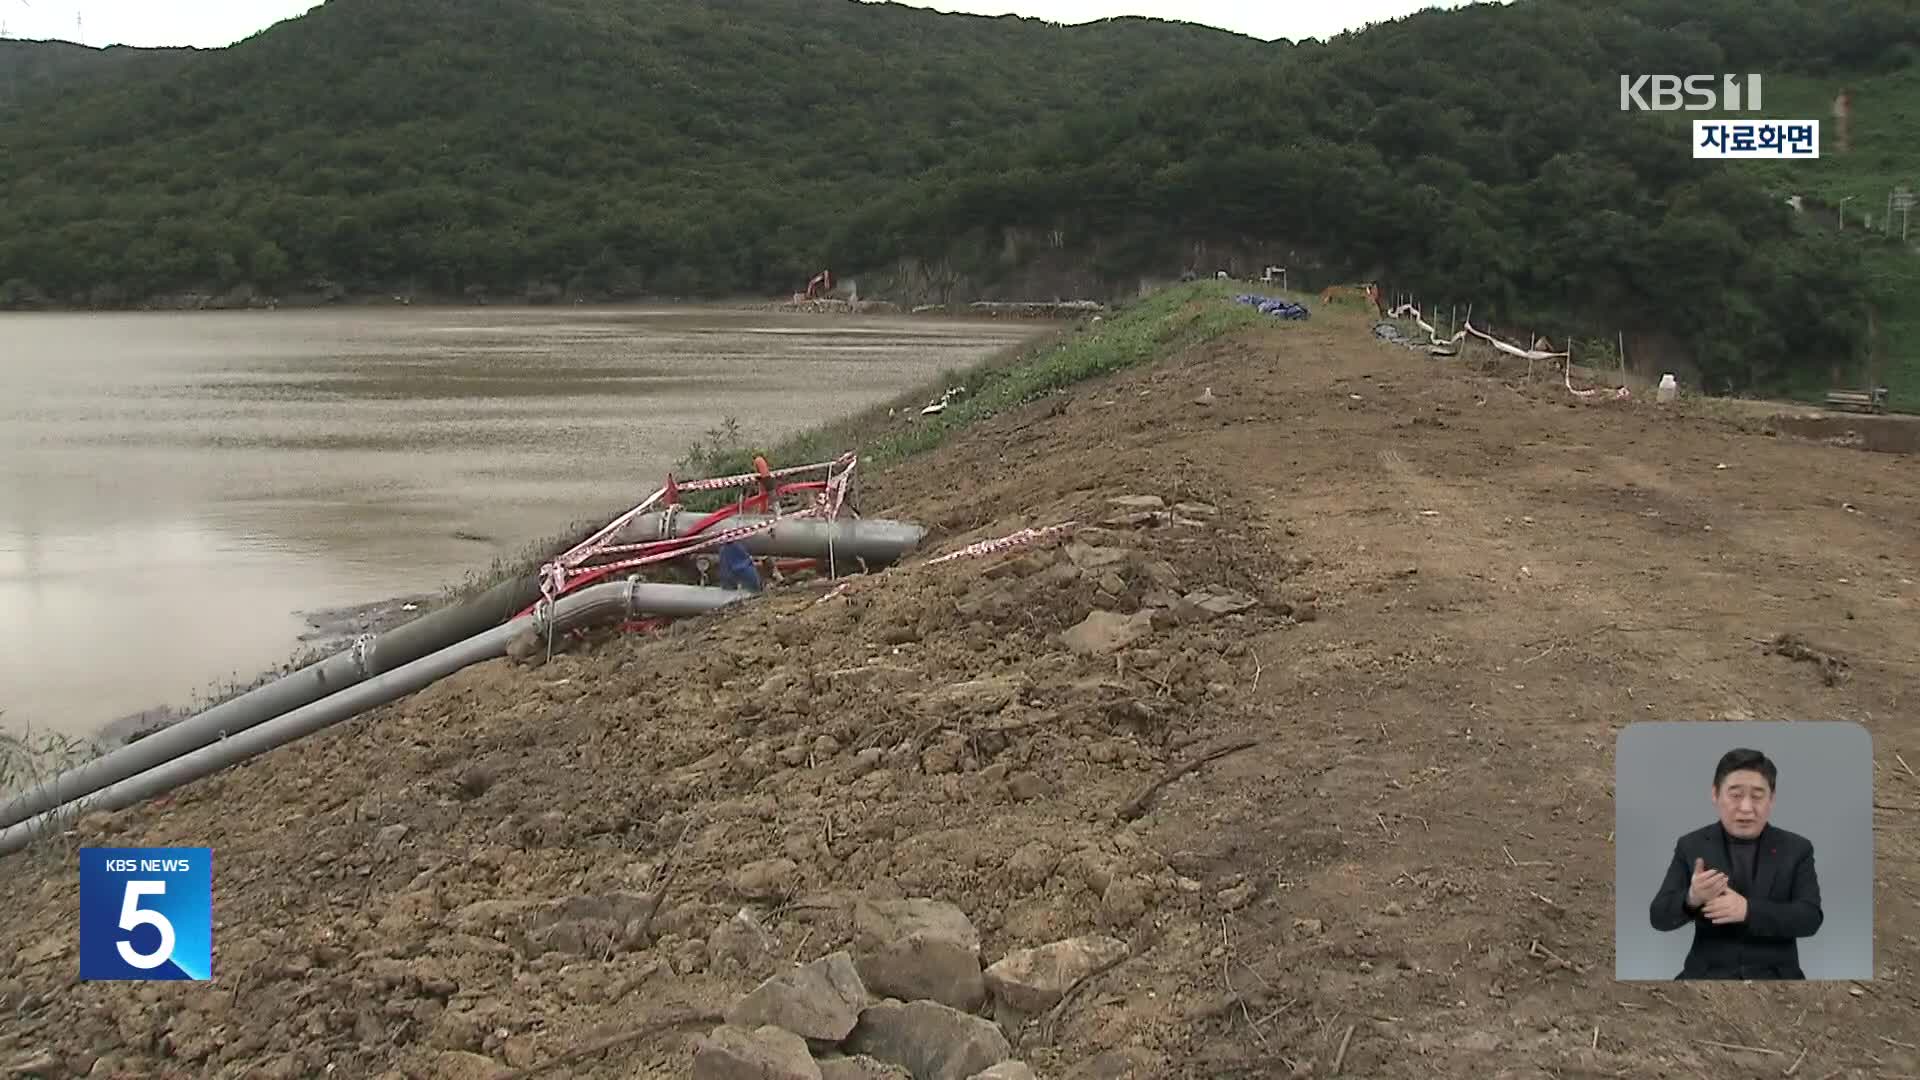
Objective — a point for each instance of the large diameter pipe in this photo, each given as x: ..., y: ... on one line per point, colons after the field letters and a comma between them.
x: 874, y: 540
x: 597, y: 603
x: 368, y: 657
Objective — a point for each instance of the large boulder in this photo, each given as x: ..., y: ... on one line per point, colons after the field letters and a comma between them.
x: 1034, y: 980
x: 1103, y: 632
x: 766, y: 1053
x: 929, y: 1040
x: 820, y: 1001
x: 919, y: 949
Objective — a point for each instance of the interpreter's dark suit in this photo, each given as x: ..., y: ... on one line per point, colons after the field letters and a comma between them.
x: 1783, y: 905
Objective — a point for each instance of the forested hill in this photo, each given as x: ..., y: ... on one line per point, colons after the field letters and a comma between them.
x: 1477, y: 156
x: 31, y: 69
x: 667, y: 146
x: 682, y: 148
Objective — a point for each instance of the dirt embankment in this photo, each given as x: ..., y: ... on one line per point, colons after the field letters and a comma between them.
x: 1456, y: 591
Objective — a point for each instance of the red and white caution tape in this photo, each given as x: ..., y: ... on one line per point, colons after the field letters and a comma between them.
x: 569, y: 569
x: 988, y: 547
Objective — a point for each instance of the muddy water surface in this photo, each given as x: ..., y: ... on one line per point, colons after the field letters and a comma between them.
x: 176, y: 490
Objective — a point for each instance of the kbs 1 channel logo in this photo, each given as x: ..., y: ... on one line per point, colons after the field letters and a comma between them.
x: 1732, y: 139
x: 146, y: 913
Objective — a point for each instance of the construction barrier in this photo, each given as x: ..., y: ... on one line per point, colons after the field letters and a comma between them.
x: 1530, y: 355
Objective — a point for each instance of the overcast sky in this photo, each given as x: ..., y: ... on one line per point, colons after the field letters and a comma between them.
x: 212, y: 23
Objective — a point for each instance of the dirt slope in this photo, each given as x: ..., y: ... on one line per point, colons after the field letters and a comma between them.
x: 1466, y: 588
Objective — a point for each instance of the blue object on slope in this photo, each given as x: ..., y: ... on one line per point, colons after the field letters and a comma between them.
x: 737, y: 570
x: 1279, y: 309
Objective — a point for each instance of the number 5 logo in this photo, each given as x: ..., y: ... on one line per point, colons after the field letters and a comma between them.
x: 133, y: 916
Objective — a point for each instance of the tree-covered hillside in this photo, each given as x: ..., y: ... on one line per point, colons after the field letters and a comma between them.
x: 34, y: 69
x: 665, y: 146
x: 1477, y: 155
x: 693, y: 147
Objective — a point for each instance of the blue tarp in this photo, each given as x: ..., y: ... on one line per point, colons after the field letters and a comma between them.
x: 1279, y: 309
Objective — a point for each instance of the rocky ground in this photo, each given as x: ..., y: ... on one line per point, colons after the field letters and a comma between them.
x: 1294, y: 758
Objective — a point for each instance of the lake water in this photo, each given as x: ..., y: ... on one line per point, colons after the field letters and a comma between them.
x: 176, y: 489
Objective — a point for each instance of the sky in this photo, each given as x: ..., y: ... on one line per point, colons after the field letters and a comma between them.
x: 214, y: 23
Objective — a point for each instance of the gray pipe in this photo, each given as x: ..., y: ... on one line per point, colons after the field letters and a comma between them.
x: 368, y: 657
x: 596, y: 603
x: 874, y: 540
x: 878, y: 542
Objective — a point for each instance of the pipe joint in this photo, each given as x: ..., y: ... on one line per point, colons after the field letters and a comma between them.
x: 362, y: 655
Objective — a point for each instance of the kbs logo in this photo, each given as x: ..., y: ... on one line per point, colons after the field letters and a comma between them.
x: 1691, y: 93
x: 146, y: 913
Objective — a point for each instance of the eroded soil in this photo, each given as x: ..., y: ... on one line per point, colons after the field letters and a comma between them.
x: 1467, y: 586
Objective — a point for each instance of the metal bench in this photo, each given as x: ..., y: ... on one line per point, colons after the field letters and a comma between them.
x: 1873, y: 401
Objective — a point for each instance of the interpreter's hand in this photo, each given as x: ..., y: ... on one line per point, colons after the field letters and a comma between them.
x: 1706, y: 884
x: 1728, y: 907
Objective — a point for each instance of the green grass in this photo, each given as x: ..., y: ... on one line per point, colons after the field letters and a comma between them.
x: 1162, y: 323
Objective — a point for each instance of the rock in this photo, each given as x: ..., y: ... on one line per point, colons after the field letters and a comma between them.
x: 932, y: 1041
x: 1104, y: 632
x: 1213, y: 603
x: 820, y: 1001
x: 1061, y: 574
x: 1031, y: 866
x: 1162, y: 574
x: 1139, y: 502
x: 1034, y: 980
x: 860, y: 1067
x: 392, y: 834
x: 1006, y: 1070
x: 1124, y: 902
x: 740, y: 942
x: 767, y: 1053
x: 456, y: 1030
x: 1237, y: 897
x: 868, y: 760
x: 792, y: 756
x: 1112, y: 584
x: 688, y: 958
x: 1195, y: 509
x: 461, y: 1065
x: 767, y: 879
x: 919, y: 948
x: 1205, y: 398
x: 519, y: 1051
x: 40, y: 1064
x: 980, y: 697
x: 944, y: 756
x: 1094, y: 559
x: 1025, y: 785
